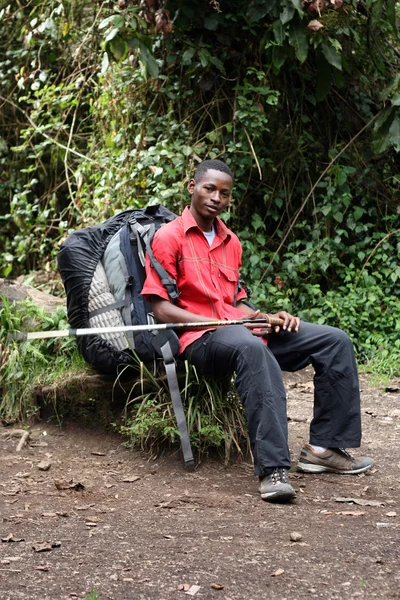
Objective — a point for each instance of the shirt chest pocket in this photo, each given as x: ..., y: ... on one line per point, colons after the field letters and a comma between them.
x: 228, y: 279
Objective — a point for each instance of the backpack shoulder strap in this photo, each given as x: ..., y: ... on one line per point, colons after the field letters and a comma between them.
x: 167, y: 344
x: 166, y: 280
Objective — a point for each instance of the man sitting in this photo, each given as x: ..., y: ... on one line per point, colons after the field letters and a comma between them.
x: 204, y: 257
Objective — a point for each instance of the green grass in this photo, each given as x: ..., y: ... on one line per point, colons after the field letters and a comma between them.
x: 26, y: 366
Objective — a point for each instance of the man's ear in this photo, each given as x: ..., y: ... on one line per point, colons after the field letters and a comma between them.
x: 191, y: 186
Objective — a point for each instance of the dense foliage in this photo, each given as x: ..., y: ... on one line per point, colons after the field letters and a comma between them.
x: 110, y: 105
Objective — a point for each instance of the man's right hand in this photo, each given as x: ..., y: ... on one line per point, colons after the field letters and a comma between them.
x: 255, y: 328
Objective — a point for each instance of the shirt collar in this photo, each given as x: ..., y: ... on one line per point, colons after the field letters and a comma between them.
x: 189, y: 222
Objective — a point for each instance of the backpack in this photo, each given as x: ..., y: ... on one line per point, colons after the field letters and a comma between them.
x: 102, y: 268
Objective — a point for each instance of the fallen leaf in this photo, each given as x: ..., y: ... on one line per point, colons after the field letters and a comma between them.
x: 351, y: 513
x: 192, y: 591
x: 98, y: 453
x: 131, y: 479
x: 278, y: 572
x: 361, y: 501
x: 42, y: 547
x: 84, y: 507
x: 11, y: 538
x: 41, y: 568
x: 62, y: 484
x: 45, y: 546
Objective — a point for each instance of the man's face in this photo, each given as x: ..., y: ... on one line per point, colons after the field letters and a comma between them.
x: 210, y: 196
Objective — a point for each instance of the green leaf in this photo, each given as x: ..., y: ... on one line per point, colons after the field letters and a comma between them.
x: 105, y: 63
x: 391, y: 14
x: 376, y: 13
x: 341, y: 177
x: 332, y: 56
x: 394, y: 132
x: 118, y: 21
x: 278, y: 56
x: 358, y: 212
x: 298, y: 7
x: 287, y: 13
x: 381, y: 142
x: 395, y: 100
x: 106, y: 22
x: 111, y: 35
x: 383, y: 117
x: 149, y: 61
x: 255, y: 12
x: 119, y: 48
x: 205, y: 57
x: 211, y: 23
x: 132, y: 23
x: 300, y: 43
x: 187, y: 56
x: 338, y: 216
x: 279, y: 32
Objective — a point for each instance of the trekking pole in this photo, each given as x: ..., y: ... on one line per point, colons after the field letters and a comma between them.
x: 41, y: 335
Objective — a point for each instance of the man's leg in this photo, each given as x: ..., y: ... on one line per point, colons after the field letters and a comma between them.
x: 336, y: 421
x: 259, y: 385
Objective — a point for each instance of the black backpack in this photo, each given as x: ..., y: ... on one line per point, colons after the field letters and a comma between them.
x: 102, y: 268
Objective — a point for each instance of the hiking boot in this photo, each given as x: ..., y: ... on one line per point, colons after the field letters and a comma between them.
x: 275, y: 486
x: 333, y: 460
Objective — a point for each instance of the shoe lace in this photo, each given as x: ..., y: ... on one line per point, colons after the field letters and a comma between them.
x: 346, y: 454
x: 279, y: 474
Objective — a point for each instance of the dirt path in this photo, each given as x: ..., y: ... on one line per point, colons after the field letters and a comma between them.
x: 107, y: 519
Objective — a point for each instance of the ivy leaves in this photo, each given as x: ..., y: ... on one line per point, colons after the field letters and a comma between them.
x: 124, y: 34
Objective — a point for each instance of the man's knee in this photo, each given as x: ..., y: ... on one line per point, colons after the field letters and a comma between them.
x: 339, y: 337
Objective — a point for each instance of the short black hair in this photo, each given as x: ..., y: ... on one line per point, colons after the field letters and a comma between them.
x: 206, y: 165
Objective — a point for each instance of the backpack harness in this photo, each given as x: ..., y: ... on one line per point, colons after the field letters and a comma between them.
x: 102, y: 268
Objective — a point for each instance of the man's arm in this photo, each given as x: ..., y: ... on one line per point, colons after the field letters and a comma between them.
x: 166, y: 312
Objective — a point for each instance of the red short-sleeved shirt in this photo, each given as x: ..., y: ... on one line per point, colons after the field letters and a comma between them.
x: 206, y: 276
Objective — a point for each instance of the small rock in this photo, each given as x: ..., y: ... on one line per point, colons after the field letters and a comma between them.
x: 44, y: 465
x: 295, y: 536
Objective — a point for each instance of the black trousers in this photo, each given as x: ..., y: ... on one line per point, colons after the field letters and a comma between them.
x: 258, y: 369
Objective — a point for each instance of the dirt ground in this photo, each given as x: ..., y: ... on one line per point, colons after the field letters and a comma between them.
x: 108, y: 519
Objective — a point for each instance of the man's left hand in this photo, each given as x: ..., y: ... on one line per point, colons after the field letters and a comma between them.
x: 290, y: 323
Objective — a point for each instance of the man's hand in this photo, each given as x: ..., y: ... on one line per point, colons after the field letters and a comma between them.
x: 290, y: 323
x: 256, y: 328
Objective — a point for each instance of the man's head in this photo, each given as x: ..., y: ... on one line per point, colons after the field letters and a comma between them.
x: 210, y: 191
x: 216, y: 165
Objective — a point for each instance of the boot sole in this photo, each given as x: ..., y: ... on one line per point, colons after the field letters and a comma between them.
x: 310, y: 468
x: 279, y: 496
